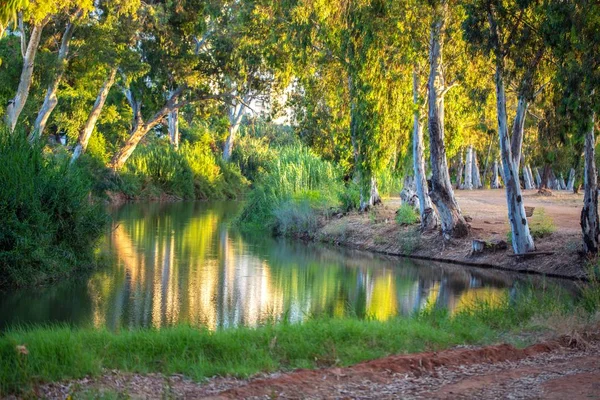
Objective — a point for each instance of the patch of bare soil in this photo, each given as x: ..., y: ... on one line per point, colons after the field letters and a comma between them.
x: 559, y: 253
x: 565, y: 368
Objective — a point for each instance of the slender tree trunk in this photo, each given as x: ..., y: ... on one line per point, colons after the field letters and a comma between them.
x: 563, y: 185
x: 494, y: 182
x: 51, y: 100
x: 522, y: 241
x: 453, y: 223
x: 571, y: 183
x: 139, y: 128
x: 531, y: 179
x: 429, y: 219
x: 460, y: 171
x: 526, y: 178
x: 589, y: 213
x: 173, y: 125
x: 487, y: 163
x: 16, y: 104
x: 88, y: 128
x: 468, y: 185
x: 476, y: 176
x: 538, y: 178
x: 235, y: 119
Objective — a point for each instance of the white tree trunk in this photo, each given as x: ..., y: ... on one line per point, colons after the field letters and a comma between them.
x: 88, y: 128
x: 173, y: 127
x: 16, y: 104
x: 235, y: 119
x: 571, y: 183
x: 538, y: 178
x: 476, y: 176
x: 460, y: 171
x: 522, y: 241
x: 494, y: 181
x: 561, y: 180
x: 429, y: 219
x: 589, y: 213
x: 531, y: 179
x: 51, y: 100
x: 526, y: 178
x: 468, y: 184
x: 452, y: 220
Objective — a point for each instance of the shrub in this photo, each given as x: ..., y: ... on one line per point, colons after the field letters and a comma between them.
x: 407, y: 215
x: 295, y: 174
x: 48, y: 224
x: 350, y: 197
x: 253, y: 155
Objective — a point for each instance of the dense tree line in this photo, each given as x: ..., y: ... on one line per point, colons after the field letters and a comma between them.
x: 459, y: 94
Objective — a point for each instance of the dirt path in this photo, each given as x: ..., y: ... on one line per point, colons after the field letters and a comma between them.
x: 377, y: 231
x: 567, y: 368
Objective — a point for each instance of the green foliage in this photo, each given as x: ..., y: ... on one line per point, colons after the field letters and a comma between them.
x: 253, y: 155
x: 350, y: 197
x: 59, y: 353
x: 407, y: 215
x: 295, y: 175
x: 49, y: 223
x: 161, y: 167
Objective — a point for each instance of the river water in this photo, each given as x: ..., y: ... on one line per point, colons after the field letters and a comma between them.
x: 183, y: 263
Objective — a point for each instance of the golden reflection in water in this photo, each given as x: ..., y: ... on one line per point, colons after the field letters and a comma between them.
x: 193, y: 270
x: 488, y: 296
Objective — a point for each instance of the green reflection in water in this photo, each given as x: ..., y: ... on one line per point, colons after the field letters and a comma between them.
x: 181, y: 263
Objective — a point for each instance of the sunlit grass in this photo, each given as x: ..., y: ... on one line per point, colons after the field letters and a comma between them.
x: 57, y: 353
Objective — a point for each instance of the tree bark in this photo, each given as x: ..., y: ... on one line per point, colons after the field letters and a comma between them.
x: 460, y: 171
x: 452, y: 220
x: 538, y: 178
x: 589, y: 213
x: 88, y: 128
x: 139, y: 128
x: 494, y: 182
x: 571, y: 182
x: 468, y: 184
x: 51, y: 100
x: 16, y: 104
x: 235, y: 119
x: 526, y: 178
x: 476, y: 176
x: 429, y: 219
x: 173, y: 127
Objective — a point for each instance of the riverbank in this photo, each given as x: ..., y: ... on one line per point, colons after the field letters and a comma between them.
x: 35, y: 356
x: 558, y: 247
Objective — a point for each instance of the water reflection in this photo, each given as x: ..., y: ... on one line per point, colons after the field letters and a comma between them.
x: 181, y: 263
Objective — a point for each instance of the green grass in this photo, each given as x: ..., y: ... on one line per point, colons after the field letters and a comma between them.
x: 58, y: 353
x: 540, y: 225
x: 407, y: 215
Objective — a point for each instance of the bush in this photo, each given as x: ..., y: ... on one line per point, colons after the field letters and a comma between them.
x: 350, y: 197
x: 48, y: 224
x: 295, y: 175
x: 407, y: 215
x: 253, y: 155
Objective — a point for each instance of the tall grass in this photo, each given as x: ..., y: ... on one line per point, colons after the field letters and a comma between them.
x: 297, y: 176
x: 48, y: 224
x: 56, y: 353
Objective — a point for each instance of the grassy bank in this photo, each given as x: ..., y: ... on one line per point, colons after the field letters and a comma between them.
x: 36, y: 355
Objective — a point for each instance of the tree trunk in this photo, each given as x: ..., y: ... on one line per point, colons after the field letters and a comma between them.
x: 235, y: 115
x: 429, y: 219
x: 173, y: 127
x: 476, y: 176
x: 460, y: 171
x: 88, y: 128
x: 494, y: 182
x: 16, y: 104
x: 589, y: 213
x: 139, y: 128
x: 51, y: 100
x: 563, y: 185
x: 453, y: 223
x: 522, y: 241
x: 468, y: 185
x: 538, y: 178
x: 571, y: 183
x: 531, y: 177
x: 526, y: 179
x: 546, y: 177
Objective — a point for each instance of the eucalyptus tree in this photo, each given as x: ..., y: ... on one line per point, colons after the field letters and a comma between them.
x: 509, y: 32
x: 31, y: 22
x: 453, y: 223
x: 175, y: 74
x: 572, y: 32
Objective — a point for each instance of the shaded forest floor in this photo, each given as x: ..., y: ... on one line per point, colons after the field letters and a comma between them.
x: 564, y: 367
x: 378, y: 231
